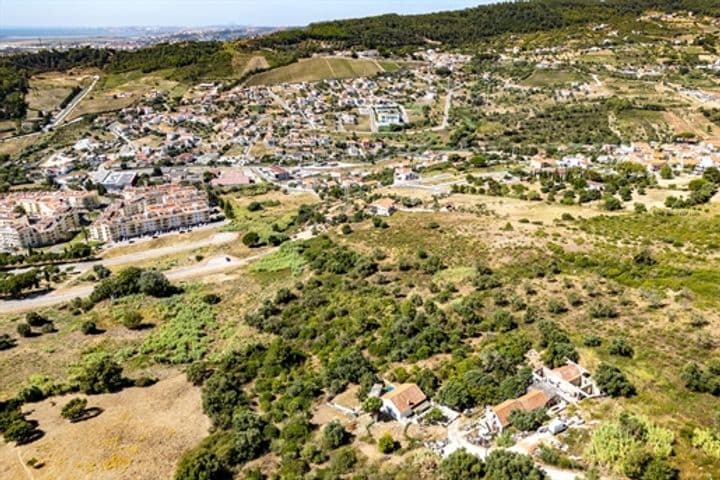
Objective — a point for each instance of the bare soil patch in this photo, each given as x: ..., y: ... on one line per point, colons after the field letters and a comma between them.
x: 140, y: 434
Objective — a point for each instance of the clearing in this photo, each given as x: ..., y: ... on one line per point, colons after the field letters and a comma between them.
x: 137, y: 435
x: 315, y: 69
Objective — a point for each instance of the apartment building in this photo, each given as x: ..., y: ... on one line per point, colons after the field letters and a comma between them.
x: 149, y: 210
x: 35, y: 219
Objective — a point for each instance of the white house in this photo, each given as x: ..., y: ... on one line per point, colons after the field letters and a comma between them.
x: 404, y: 401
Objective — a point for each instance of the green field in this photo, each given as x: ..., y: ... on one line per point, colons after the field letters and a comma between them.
x: 316, y: 69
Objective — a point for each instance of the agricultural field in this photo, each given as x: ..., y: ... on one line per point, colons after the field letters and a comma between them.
x: 319, y: 68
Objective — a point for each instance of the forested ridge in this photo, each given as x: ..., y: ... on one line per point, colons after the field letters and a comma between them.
x: 463, y: 27
x: 453, y: 28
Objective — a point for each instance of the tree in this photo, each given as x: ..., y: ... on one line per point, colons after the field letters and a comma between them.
x: 387, y: 444
x: 221, y: 394
x: 660, y: 470
x: 460, y: 465
x: 507, y: 465
x: 248, y: 436
x: 6, y: 342
x: 613, y: 382
x: 201, y: 464
x: 100, y: 374
x: 456, y: 395
x: 372, y: 405
x: 527, y: 421
x: 611, y: 203
x: 666, y: 172
x: 74, y: 410
x: 19, y: 430
x: 334, y: 435
x: 101, y: 272
x: 155, y: 284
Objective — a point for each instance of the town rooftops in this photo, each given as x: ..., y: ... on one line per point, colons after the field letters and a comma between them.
x: 532, y: 400
x: 405, y: 397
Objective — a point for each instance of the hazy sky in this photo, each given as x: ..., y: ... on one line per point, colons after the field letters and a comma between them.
x: 103, y: 13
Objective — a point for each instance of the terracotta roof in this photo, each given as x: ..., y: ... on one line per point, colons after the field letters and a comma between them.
x: 386, y: 203
x: 568, y: 372
x: 227, y: 179
x: 405, y: 396
x: 532, y: 400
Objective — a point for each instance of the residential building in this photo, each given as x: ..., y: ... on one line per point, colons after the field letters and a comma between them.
x: 383, y: 207
x: 498, y: 417
x: 571, y: 382
x: 149, y: 210
x: 404, y: 401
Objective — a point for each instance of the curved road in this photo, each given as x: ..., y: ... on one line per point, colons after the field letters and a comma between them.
x: 213, y: 265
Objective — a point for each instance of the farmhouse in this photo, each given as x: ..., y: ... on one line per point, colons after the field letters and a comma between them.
x: 404, y: 401
x: 383, y: 207
x: 498, y: 416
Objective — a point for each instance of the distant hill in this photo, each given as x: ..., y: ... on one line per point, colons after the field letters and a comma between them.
x: 471, y: 25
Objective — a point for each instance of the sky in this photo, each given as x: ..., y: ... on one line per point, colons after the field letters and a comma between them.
x: 116, y: 13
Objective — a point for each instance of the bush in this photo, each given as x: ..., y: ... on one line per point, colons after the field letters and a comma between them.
x: 346, y: 229
x: 592, y: 341
x: 35, y: 319
x: 24, y: 330
x: 527, y: 421
x: 6, y: 342
x: 387, y: 444
x: 211, y: 299
x: 461, y: 465
x: 251, y: 239
x: 100, y: 374
x: 613, y: 382
x: 74, y: 410
x: 334, y: 435
x: 621, y: 347
x: 507, y: 465
x: 89, y: 328
x: 201, y: 464
x: 132, y: 319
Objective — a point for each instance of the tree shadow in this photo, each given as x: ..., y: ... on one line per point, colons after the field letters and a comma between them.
x: 88, y: 413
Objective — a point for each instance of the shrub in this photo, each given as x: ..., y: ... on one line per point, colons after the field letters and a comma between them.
x: 132, y: 319
x: 592, y: 341
x: 211, y: 299
x: 434, y: 416
x: 89, y: 328
x: 334, y: 435
x: 603, y: 310
x: 74, y: 410
x: 613, y: 382
x: 201, y: 464
x: 251, y: 239
x: 99, y: 373
x: 387, y: 444
x: 24, y: 330
x: 621, y: 347
x: 6, y: 342
x: 346, y: 229
x: 507, y: 465
x: 35, y: 319
x: 461, y: 465
x: 527, y: 421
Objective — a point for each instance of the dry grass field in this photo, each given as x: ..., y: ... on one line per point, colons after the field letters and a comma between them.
x: 140, y: 434
x: 315, y: 69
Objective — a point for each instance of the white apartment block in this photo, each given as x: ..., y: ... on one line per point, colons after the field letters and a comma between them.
x: 145, y: 211
x: 35, y: 219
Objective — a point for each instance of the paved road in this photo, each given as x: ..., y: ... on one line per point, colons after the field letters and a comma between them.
x: 135, y: 257
x: 74, y: 103
x: 216, y: 264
